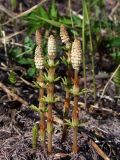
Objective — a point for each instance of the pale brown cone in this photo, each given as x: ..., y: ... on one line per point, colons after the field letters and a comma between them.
x: 39, y: 59
x: 76, y: 54
x: 51, y: 47
x: 64, y: 34
x: 38, y: 38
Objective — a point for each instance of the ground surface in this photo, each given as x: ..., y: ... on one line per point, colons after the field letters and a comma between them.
x: 100, y: 120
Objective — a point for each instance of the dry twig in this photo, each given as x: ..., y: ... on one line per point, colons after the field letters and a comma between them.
x: 5, y: 39
x: 18, y: 98
x: 98, y: 150
x: 13, y: 95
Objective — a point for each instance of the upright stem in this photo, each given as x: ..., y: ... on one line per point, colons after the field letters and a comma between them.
x: 42, y: 109
x: 65, y: 113
x: 83, y: 49
x: 91, y: 51
x: 76, y: 78
x: 66, y: 102
x: 69, y: 7
x: 50, y: 127
x: 75, y: 116
x: 87, y: 19
x: 75, y: 128
x: 93, y: 74
x: 50, y: 92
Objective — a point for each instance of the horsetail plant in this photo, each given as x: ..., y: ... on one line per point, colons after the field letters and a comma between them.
x: 50, y: 79
x: 39, y: 61
x: 66, y: 81
x: 76, y: 57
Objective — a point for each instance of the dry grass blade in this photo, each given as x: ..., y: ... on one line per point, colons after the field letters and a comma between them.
x: 109, y: 81
x: 8, y: 12
x: 25, y: 13
x: 114, y: 10
x: 6, y: 38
